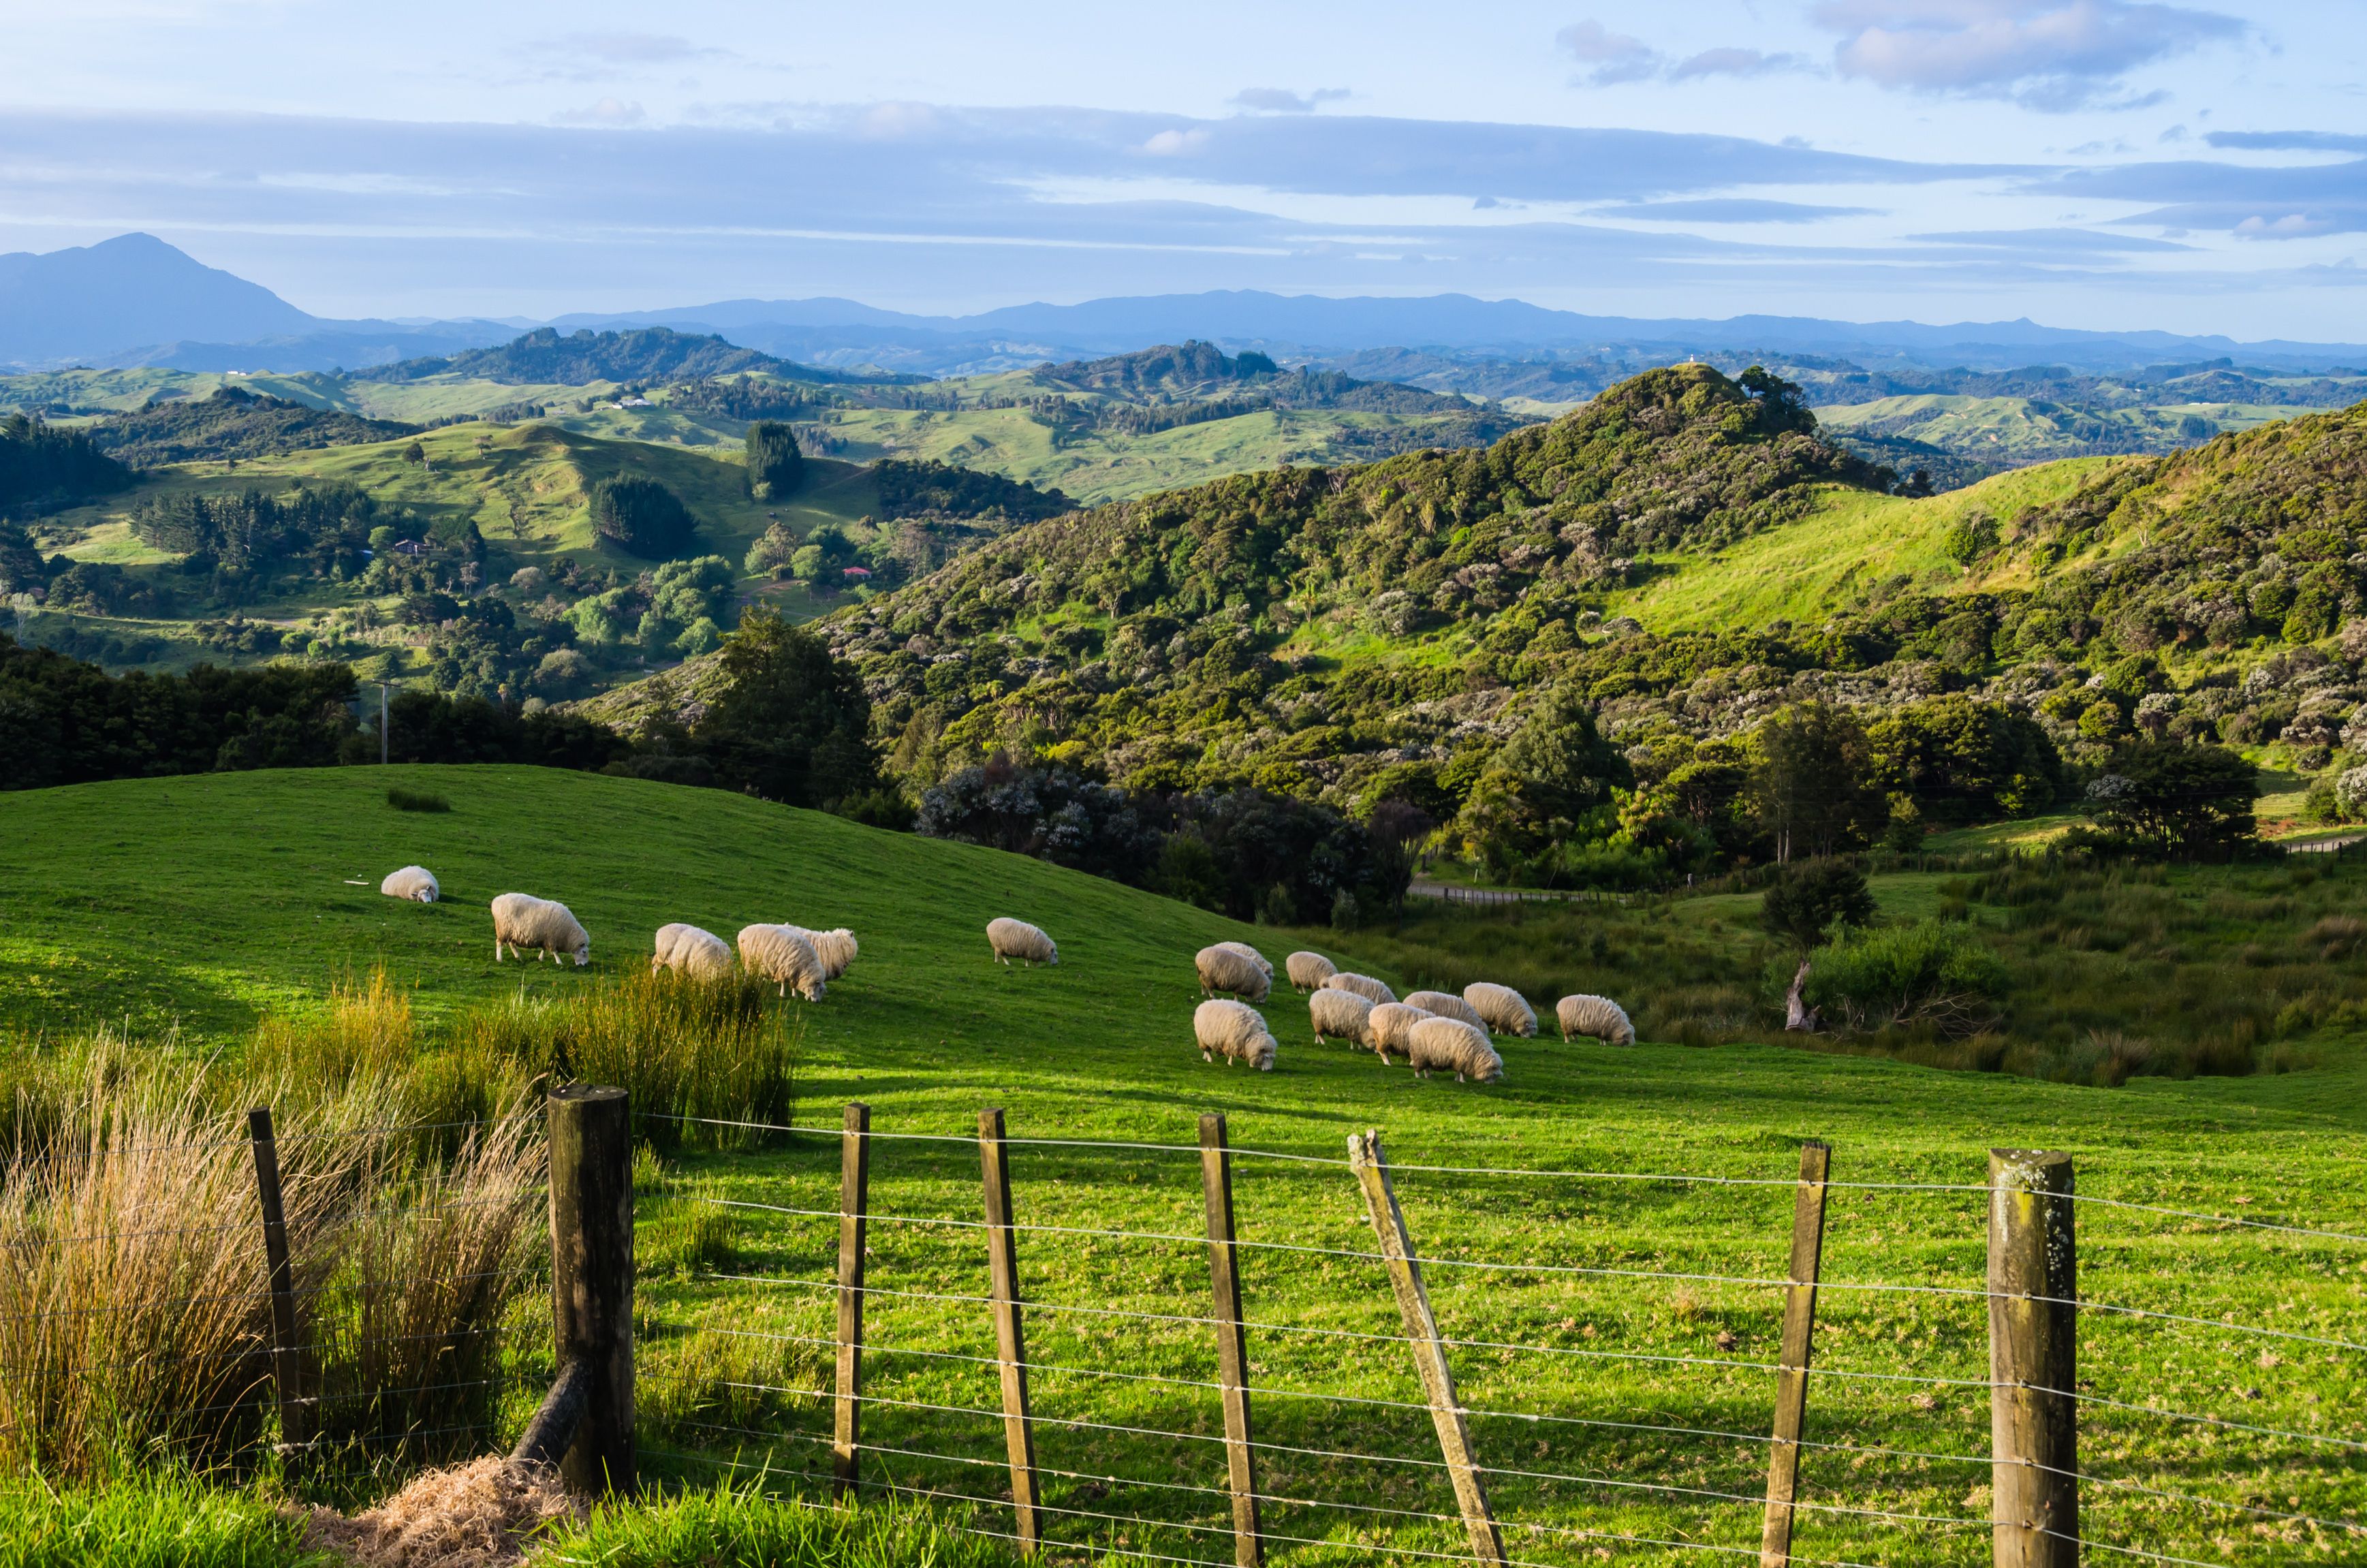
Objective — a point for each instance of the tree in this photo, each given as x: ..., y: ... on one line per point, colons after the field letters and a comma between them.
x: 2193, y: 803
x: 776, y: 466
x: 792, y: 723
x: 1961, y: 761
x: 1811, y: 786
x: 1805, y: 902
x: 1555, y: 769
x: 642, y: 517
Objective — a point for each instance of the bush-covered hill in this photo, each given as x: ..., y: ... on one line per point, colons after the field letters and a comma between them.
x: 232, y: 422
x: 656, y: 353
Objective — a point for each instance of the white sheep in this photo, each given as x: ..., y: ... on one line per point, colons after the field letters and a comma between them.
x: 1596, y: 1016
x: 1387, y: 1028
x: 1249, y: 953
x: 1236, y: 1031
x: 1443, y: 1045
x: 837, y: 949
x: 1017, y: 939
x: 779, y: 953
x: 688, y: 950
x: 1223, y: 968
x: 1445, y: 1004
x: 522, y: 920
x: 1338, y: 1014
x: 1363, y: 985
x: 1309, y: 971
x: 416, y: 883
x: 1501, y: 1009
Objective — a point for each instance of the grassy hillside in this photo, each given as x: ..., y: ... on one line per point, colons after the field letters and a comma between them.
x: 2018, y: 431
x: 209, y: 899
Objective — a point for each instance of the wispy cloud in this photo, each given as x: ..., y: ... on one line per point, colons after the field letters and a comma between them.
x: 2288, y: 140
x: 615, y: 113
x: 1735, y: 63
x: 1609, y: 59
x: 1731, y: 209
x: 1282, y: 100
x: 2046, y: 55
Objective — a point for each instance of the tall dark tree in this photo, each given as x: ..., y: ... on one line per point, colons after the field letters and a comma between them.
x: 776, y: 466
x: 642, y: 517
x: 793, y: 723
x: 1557, y: 768
x: 1812, y: 785
x: 2193, y: 802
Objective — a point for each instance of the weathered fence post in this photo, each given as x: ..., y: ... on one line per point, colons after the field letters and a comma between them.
x: 1364, y: 1157
x: 1799, y: 1339
x: 287, y: 1352
x: 590, y: 1134
x: 1010, y: 1339
x: 854, y: 1206
x: 2034, y: 1283
x: 1232, y: 1341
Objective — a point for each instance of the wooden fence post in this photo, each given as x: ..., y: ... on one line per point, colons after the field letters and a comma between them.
x: 1799, y: 1339
x: 591, y: 1137
x: 2033, y: 1282
x: 1232, y: 1340
x: 1364, y: 1157
x: 854, y: 1208
x: 286, y: 1351
x: 1010, y: 1339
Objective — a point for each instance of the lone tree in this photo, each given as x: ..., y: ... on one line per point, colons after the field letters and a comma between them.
x: 1811, y: 786
x: 2189, y: 802
x: 792, y: 723
x: 1807, y: 900
x: 776, y: 466
x: 642, y: 517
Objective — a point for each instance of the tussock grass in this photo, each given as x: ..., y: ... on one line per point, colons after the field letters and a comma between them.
x: 749, y: 1525
x: 416, y: 801
x: 148, y: 1521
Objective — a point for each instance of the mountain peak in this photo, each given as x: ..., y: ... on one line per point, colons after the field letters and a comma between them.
x: 128, y: 293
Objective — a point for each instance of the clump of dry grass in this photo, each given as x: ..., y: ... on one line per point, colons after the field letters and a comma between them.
x: 478, y: 1515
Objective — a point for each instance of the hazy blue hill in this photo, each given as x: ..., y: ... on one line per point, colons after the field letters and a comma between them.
x: 123, y: 292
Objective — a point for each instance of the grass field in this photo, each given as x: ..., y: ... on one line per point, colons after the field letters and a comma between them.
x: 2023, y: 430
x: 203, y: 903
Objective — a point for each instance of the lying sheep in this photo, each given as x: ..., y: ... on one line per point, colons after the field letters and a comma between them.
x: 688, y: 950
x: 1442, y: 1045
x: 1234, y: 1031
x: 1249, y: 953
x: 1017, y: 939
x: 1363, y: 985
x: 1338, y: 1014
x: 1596, y: 1016
x: 414, y: 882
x: 1445, y: 1004
x: 1501, y: 1009
x: 1389, y: 1028
x: 835, y: 948
x: 781, y: 953
x: 1222, y: 968
x: 522, y: 920
x: 1309, y: 971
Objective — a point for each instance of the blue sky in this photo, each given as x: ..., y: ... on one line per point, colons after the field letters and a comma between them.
x: 2199, y: 167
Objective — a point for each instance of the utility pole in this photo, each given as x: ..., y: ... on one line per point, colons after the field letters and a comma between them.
x: 381, y: 723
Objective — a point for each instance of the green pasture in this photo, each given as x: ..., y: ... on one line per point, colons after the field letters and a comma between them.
x: 193, y: 905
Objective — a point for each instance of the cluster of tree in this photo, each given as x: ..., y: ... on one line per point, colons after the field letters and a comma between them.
x: 679, y: 609
x: 233, y: 424
x: 543, y: 357
x: 776, y: 466
x: 324, y: 530
x: 914, y: 487
x: 500, y: 413
x: 642, y: 516
x: 42, y: 468
x: 744, y: 397
x: 1243, y: 852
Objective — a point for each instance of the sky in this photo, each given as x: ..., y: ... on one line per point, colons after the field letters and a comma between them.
x: 2105, y: 164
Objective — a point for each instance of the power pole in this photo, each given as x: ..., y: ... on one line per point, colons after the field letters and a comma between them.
x: 381, y: 723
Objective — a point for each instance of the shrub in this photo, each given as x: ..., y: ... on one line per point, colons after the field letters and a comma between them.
x: 642, y: 517
x: 416, y: 801
x: 1812, y: 896
x: 1933, y: 975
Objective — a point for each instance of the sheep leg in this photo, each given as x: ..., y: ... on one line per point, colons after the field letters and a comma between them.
x: 1205, y: 1057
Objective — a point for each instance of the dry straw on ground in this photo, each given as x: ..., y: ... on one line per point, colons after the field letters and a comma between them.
x: 477, y: 1515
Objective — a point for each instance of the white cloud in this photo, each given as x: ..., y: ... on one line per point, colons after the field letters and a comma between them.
x: 1282, y: 100
x: 2052, y: 54
x: 615, y: 112
x: 1734, y: 62
x: 1176, y: 143
x: 1615, y: 57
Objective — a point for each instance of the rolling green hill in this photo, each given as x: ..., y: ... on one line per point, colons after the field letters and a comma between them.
x: 2014, y: 432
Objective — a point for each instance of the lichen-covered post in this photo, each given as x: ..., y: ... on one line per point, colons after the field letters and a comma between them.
x: 2033, y: 1282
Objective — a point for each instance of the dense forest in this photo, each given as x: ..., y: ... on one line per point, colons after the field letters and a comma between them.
x: 233, y: 424
x: 647, y: 356
x: 42, y: 468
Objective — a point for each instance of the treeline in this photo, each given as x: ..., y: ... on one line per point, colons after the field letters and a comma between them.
x: 233, y: 423
x: 42, y: 468
x: 324, y: 529
x: 921, y: 487
x: 648, y: 355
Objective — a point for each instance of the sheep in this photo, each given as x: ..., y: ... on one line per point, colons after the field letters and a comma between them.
x: 1338, y: 1014
x: 1445, y: 1004
x: 779, y: 952
x: 1597, y: 1016
x: 416, y: 883
x: 1443, y: 1044
x: 1501, y: 1009
x: 1309, y: 971
x: 523, y: 920
x: 1223, y: 968
x: 1235, y: 1031
x: 689, y: 950
x: 1018, y: 939
x: 1249, y: 953
x: 1363, y: 985
x: 835, y: 948
x: 1386, y: 1026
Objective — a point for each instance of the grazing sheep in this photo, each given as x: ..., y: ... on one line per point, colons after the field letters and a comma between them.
x: 522, y: 920
x: 1441, y: 1045
x: 1018, y: 939
x: 1387, y: 1028
x: 1236, y: 1031
x: 1363, y: 985
x: 1501, y: 1009
x: 688, y: 950
x: 1597, y: 1016
x: 1249, y: 953
x: 1309, y: 971
x: 779, y: 952
x: 1445, y: 1004
x: 1223, y: 968
x: 1338, y: 1014
x: 416, y: 883
x: 835, y: 948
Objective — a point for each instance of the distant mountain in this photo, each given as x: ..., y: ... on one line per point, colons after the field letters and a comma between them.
x: 648, y: 355
x: 233, y: 423
x: 123, y: 292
